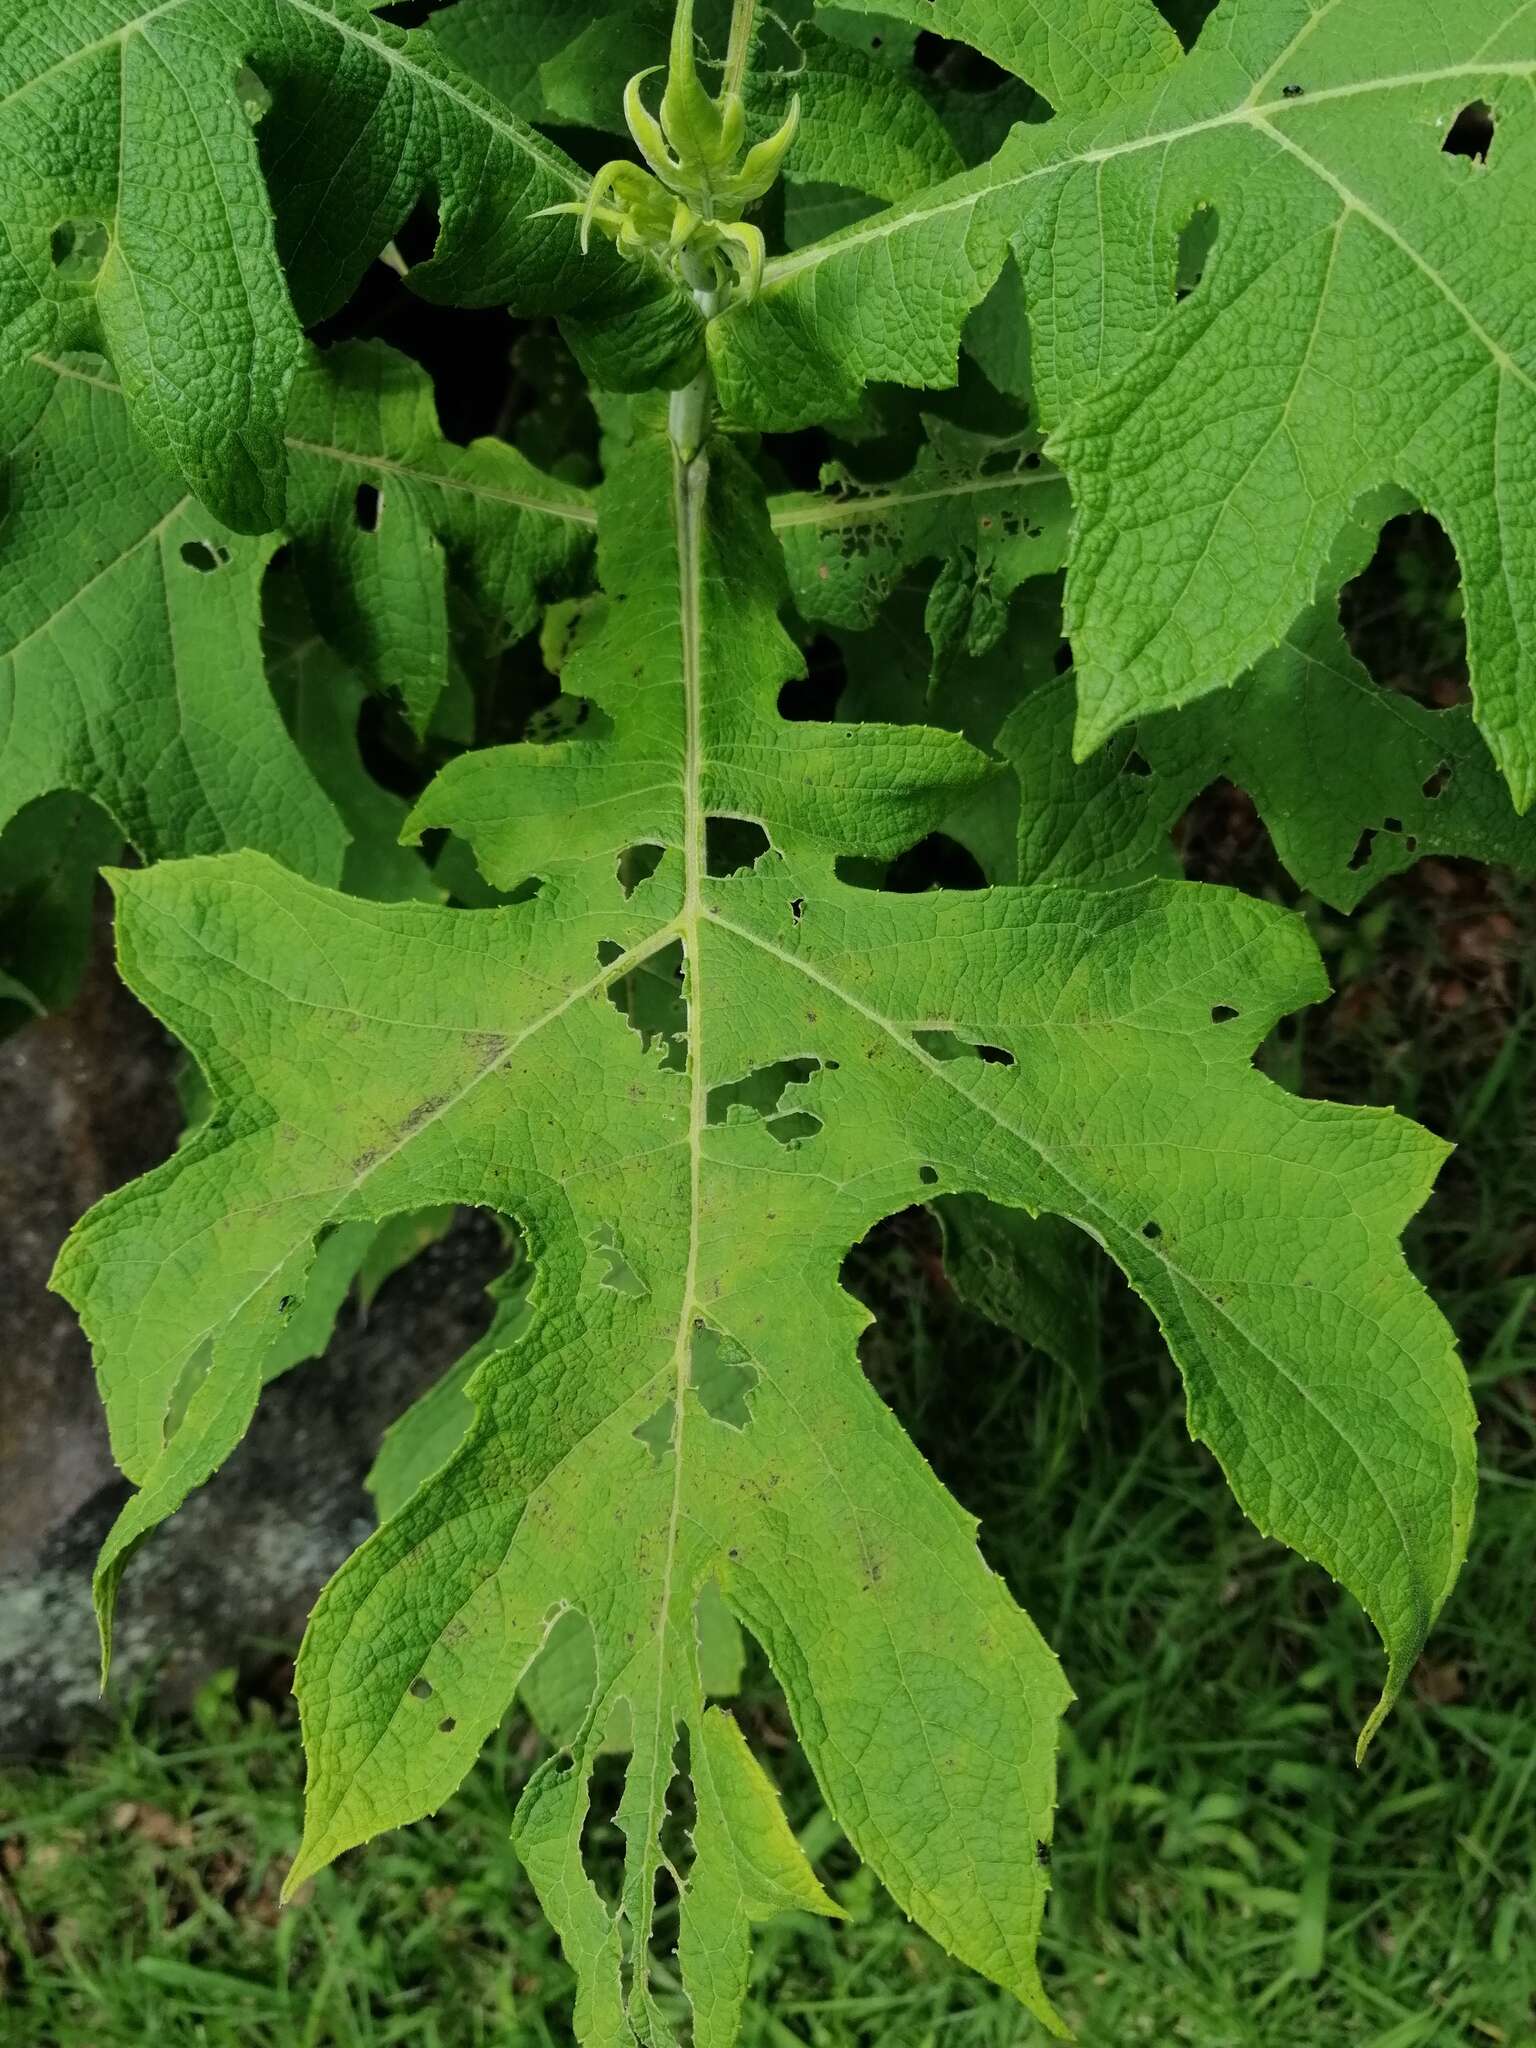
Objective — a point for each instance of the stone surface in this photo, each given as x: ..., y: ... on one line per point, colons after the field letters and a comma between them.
x: 87, y: 1100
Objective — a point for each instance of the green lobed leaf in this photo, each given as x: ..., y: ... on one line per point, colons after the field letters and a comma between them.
x: 130, y: 649
x: 170, y: 174
x: 1355, y: 781
x: 382, y: 509
x: 1217, y: 445
x: 683, y: 1404
x: 131, y: 661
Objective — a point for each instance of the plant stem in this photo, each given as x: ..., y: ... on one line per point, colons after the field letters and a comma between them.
x: 743, y: 20
x: 690, y: 413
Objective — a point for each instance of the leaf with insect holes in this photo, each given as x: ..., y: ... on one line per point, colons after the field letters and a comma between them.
x: 130, y: 643
x: 1360, y: 320
x: 697, y: 1066
x: 130, y: 657
x: 984, y: 506
x: 1355, y: 781
x: 183, y: 183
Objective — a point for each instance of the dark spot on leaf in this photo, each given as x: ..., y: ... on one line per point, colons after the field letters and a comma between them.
x: 423, y: 1113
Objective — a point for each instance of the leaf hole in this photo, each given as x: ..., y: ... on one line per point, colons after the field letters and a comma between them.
x: 366, y: 508
x: 795, y: 1127
x: 1362, y: 854
x: 797, y: 908
x: 637, y: 864
x: 421, y: 1688
x: 77, y: 250
x: 619, y: 1275
x: 945, y: 1044
x: 1135, y: 763
x: 812, y: 698
x: 252, y: 93
x: 723, y: 1377
x: 447, y: 1725
x: 1223, y: 1013
x: 733, y: 845
x: 760, y: 1094
x: 1436, y: 784
x: 1471, y: 134
x: 1151, y: 1230
x: 1061, y: 661
x: 650, y: 1000
x: 656, y: 1430
x: 203, y: 556
x: 929, y: 1176
x: 1404, y: 614
x: 937, y: 862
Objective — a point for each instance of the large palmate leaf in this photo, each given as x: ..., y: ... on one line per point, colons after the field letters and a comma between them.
x: 680, y: 1408
x: 142, y: 218
x: 130, y: 652
x: 1361, y: 320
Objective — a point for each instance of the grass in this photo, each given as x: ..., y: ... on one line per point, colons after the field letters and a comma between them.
x: 1224, y: 1876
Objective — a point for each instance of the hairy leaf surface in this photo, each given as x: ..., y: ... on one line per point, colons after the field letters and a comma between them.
x: 143, y: 218
x: 130, y: 643
x: 1360, y: 321
x: 130, y: 655
x: 689, y: 1160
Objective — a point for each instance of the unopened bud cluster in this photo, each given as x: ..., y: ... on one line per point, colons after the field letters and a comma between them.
x: 685, y: 211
